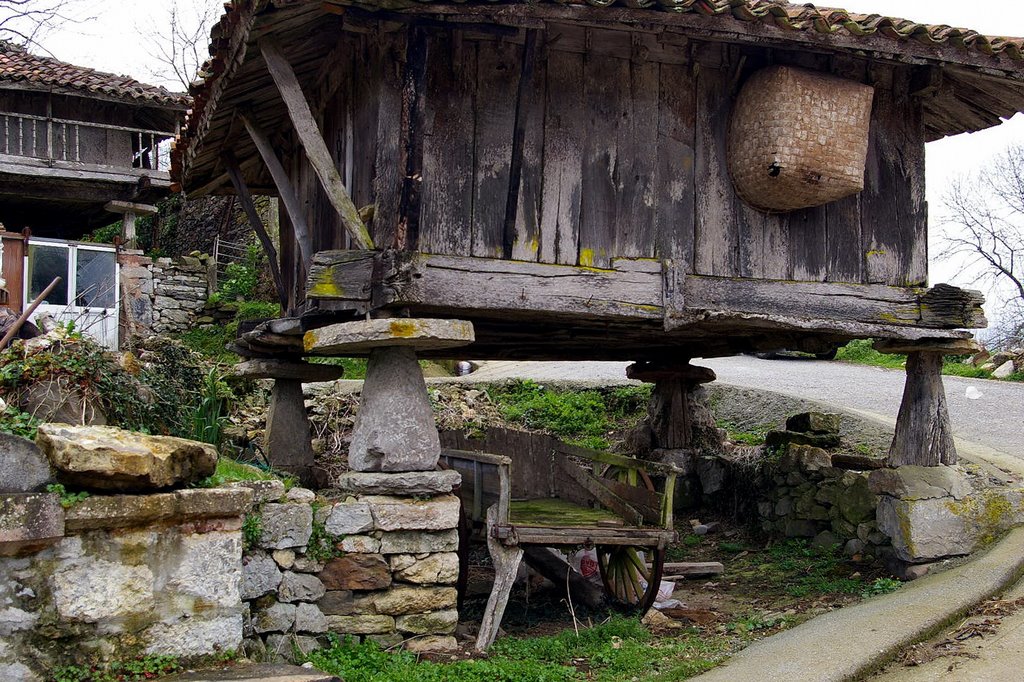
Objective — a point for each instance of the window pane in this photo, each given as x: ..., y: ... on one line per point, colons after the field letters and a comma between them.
x: 45, y: 263
x: 95, y: 284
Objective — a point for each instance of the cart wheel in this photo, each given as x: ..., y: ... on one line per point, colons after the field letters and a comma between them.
x: 629, y: 581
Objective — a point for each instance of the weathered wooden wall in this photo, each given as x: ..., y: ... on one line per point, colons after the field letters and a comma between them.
x: 576, y: 145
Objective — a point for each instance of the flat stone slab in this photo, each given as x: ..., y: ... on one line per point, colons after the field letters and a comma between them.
x: 944, y: 346
x: 306, y: 372
x: 364, y: 335
x: 410, y: 483
x: 23, y: 468
x: 28, y: 520
x: 108, y: 458
x: 127, y: 511
x: 262, y: 672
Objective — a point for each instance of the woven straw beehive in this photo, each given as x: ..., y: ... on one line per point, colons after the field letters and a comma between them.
x: 798, y: 138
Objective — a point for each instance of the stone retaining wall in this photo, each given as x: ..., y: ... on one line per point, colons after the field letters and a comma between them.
x: 162, y: 296
x: 380, y: 564
x: 113, y: 577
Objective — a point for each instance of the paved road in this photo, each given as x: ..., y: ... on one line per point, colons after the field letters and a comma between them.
x: 995, y: 419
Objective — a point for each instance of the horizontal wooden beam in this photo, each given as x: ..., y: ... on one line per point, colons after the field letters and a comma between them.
x: 633, y: 291
x: 130, y: 207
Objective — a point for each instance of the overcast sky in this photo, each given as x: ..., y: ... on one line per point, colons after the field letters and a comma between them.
x: 116, y: 40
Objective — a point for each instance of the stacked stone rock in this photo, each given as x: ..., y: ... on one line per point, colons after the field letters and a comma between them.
x: 179, y: 292
x: 391, y: 581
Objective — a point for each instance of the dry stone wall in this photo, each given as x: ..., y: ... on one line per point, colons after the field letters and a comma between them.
x: 380, y: 563
x: 162, y: 296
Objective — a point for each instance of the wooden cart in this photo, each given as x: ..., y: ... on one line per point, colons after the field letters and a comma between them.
x: 540, y: 491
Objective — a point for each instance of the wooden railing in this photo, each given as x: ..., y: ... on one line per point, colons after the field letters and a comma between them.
x: 57, y: 139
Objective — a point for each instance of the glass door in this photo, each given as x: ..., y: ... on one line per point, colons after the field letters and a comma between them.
x: 88, y: 292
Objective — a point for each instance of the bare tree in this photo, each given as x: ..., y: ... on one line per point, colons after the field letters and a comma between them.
x: 26, y: 21
x: 984, y: 231
x: 179, y: 43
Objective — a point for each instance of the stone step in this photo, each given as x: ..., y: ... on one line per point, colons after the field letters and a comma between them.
x: 257, y: 672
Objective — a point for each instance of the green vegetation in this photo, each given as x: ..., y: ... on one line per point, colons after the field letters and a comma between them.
x: 145, y: 668
x: 67, y: 499
x: 797, y: 569
x: 157, y: 396
x: 584, y: 418
x: 322, y: 546
x: 355, y: 368
x: 211, y: 342
x: 240, y: 279
x: 229, y: 471
x: 860, y: 352
x: 619, y: 649
x: 750, y: 623
x: 752, y: 436
x: 209, y: 416
x: 13, y: 420
x: 252, y: 530
x: 881, y: 586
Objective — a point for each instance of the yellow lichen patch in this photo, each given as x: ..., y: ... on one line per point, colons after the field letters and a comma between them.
x: 587, y: 258
x: 404, y: 329
x: 309, y: 340
x: 325, y: 287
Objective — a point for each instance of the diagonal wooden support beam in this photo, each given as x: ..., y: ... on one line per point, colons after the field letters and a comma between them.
x: 313, y: 142
x: 242, y: 190
x: 285, y: 190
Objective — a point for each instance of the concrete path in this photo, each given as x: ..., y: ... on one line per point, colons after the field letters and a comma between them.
x: 848, y: 643
x: 998, y: 655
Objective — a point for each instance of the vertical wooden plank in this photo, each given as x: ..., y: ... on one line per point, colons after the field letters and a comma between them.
x: 716, y: 236
x: 497, y: 83
x: 564, y: 133
x: 807, y: 244
x: 844, y: 253
x: 636, y: 161
x: 674, y: 185
x: 369, y: 64
x: 392, y: 137
x: 893, y: 217
x: 446, y: 204
x: 531, y: 111
x: 608, y: 110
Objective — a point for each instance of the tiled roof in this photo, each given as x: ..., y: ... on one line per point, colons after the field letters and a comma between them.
x: 18, y: 64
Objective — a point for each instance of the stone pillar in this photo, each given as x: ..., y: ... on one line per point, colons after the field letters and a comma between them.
x: 924, y: 435
x: 288, y: 441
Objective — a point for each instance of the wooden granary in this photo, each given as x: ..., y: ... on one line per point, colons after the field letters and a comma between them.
x: 602, y: 180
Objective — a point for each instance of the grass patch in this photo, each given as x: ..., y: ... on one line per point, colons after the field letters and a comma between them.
x: 145, y: 668
x: 860, y: 352
x: 752, y: 436
x: 586, y: 418
x: 230, y: 471
x: 619, y: 649
x: 797, y: 569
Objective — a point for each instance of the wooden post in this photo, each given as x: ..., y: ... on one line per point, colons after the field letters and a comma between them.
x: 285, y: 190
x: 506, y: 563
x: 242, y: 190
x: 671, y: 410
x: 924, y: 435
x: 313, y: 142
x: 128, y: 230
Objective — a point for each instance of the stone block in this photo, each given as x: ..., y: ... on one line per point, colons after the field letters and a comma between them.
x: 911, y: 482
x: 262, y: 491
x: 300, y: 587
x: 29, y: 521
x: 1004, y: 370
x: 436, y: 569
x: 304, y: 564
x: 276, y: 617
x: 108, y: 458
x: 360, y: 544
x: 190, y: 637
x: 805, y: 458
x: 386, y: 333
x: 285, y: 558
x: 309, y: 618
x: 928, y: 529
x: 406, y: 513
x: 795, y: 528
x: 349, y: 518
x: 337, y: 603
x: 23, y: 468
x: 361, y: 625
x: 400, y: 600
x: 300, y: 495
x: 407, y: 483
x: 128, y: 511
x: 394, y: 429
x: 419, y: 542
x: 285, y: 647
x: 356, y: 572
x: 435, y: 623
x: 813, y: 422
x: 287, y: 440
x: 285, y: 525
x: 260, y: 575
x: 856, y: 502
x: 206, y: 566
x: 90, y: 590
x: 432, y: 644
x: 779, y: 439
